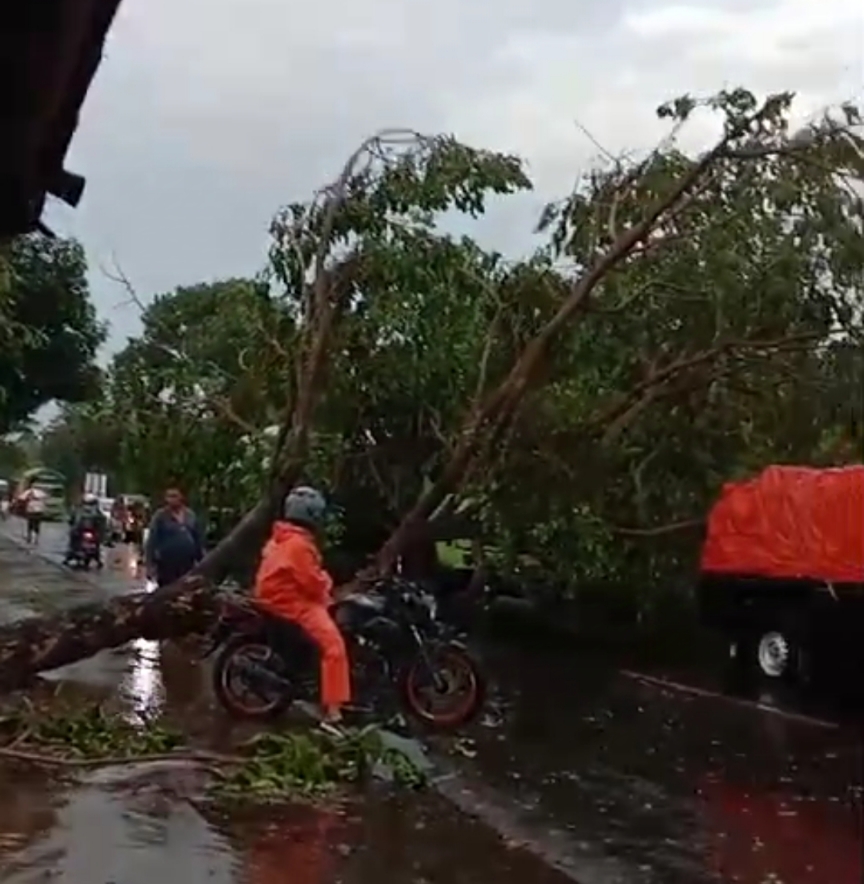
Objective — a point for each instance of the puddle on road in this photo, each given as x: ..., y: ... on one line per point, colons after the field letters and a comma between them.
x: 139, y: 826
x: 144, y: 678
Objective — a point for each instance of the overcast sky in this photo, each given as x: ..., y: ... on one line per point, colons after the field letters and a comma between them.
x: 206, y: 115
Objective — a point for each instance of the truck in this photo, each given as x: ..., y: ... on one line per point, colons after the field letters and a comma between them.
x: 782, y: 572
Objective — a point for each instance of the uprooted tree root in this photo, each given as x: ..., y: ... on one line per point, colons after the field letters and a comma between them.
x: 268, y: 768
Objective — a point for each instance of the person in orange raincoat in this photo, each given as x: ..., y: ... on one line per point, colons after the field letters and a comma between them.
x: 292, y: 584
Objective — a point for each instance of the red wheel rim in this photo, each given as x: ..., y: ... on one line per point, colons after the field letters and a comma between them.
x: 461, y: 711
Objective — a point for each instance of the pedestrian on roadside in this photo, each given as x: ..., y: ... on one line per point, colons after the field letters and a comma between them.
x: 174, y: 542
x: 34, y: 512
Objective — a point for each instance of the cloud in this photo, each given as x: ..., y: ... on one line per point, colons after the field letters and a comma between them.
x: 611, y: 83
x: 206, y: 116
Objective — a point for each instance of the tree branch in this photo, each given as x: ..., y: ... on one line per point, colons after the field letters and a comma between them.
x: 615, y: 418
x: 659, y: 530
x: 502, y: 404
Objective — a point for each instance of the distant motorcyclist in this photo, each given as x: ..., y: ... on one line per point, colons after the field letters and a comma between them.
x: 87, y: 517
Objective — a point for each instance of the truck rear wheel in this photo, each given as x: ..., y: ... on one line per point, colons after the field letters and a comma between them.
x: 774, y: 651
x: 775, y: 654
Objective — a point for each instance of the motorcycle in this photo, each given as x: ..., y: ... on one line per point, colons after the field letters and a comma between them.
x: 85, y: 551
x: 395, y: 642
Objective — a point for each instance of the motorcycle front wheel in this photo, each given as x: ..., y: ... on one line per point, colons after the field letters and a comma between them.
x: 445, y: 688
x: 235, y: 683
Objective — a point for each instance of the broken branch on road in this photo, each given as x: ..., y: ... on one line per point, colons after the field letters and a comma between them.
x: 269, y: 767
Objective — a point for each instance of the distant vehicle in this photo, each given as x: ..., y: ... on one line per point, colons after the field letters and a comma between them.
x: 133, y: 500
x: 782, y: 571
x: 115, y: 528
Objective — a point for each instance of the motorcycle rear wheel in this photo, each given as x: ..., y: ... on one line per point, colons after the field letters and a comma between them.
x: 249, y: 704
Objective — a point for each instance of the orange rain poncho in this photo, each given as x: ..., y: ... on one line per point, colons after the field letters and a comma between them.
x: 292, y: 584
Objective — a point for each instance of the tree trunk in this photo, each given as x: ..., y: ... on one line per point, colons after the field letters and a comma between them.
x: 43, y: 643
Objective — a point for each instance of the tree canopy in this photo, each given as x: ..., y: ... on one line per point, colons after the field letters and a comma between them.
x: 691, y: 316
x: 50, y: 332
x: 726, y: 338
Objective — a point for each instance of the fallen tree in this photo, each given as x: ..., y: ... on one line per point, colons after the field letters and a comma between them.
x: 609, y: 228
x: 390, y: 176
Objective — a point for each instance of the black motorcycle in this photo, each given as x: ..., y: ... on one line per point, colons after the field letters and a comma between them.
x: 85, y: 549
x: 394, y: 640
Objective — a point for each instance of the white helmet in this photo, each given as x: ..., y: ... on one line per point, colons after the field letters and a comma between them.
x: 89, y: 498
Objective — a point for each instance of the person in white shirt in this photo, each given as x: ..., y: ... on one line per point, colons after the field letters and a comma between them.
x: 34, y: 510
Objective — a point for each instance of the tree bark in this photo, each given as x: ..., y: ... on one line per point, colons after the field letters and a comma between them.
x: 43, y: 643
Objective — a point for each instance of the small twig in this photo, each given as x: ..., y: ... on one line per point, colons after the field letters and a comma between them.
x: 122, y: 279
x: 21, y: 738
x: 587, y: 133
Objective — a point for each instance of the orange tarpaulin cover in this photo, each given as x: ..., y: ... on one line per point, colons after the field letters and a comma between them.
x: 792, y: 522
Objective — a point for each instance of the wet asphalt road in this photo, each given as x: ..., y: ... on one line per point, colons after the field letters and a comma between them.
x: 605, y: 776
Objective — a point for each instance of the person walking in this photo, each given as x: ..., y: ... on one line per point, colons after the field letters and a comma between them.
x: 174, y: 542
x: 34, y: 512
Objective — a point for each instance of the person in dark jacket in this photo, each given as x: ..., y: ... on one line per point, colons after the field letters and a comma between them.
x: 174, y: 543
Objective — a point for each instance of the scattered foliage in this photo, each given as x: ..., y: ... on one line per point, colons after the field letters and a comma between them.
x: 271, y: 767
x: 312, y: 764
x: 87, y: 733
